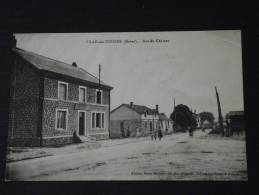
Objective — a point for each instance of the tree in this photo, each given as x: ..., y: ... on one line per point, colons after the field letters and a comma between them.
x: 206, y: 116
x: 182, y: 116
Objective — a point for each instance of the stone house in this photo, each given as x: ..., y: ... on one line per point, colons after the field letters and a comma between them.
x: 165, y: 123
x: 50, y: 100
x: 133, y: 120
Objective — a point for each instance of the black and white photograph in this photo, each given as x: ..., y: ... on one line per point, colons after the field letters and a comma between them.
x: 161, y: 105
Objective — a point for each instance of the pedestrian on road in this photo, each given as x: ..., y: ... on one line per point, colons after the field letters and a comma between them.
x: 160, y: 134
x: 155, y: 134
x: 191, y: 131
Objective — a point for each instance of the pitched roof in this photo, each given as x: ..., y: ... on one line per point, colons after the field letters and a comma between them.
x: 48, y: 64
x: 140, y: 109
x: 162, y: 116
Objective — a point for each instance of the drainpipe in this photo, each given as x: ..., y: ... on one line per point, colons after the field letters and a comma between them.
x: 109, y: 122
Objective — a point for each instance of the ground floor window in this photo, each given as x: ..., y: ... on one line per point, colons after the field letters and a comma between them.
x: 61, y: 119
x: 98, y: 120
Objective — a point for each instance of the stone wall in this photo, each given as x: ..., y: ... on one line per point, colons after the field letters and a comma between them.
x: 24, y: 104
x: 57, y: 141
x: 51, y: 104
x: 24, y: 142
x: 49, y: 118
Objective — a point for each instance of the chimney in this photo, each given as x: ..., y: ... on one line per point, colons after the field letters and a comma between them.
x: 74, y: 64
x: 131, y: 104
x: 157, y: 109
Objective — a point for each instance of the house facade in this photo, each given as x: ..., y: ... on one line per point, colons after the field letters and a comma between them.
x: 165, y: 123
x: 50, y: 100
x: 130, y: 120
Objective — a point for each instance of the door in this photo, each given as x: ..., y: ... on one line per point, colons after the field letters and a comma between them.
x: 122, y: 129
x: 81, y: 123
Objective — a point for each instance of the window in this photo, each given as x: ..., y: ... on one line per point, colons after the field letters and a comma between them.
x: 61, y: 119
x: 97, y: 120
x: 82, y: 94
x: 93, y: 120
x: 62, y: 90
x: 145, y: 124
x: 98, y: 97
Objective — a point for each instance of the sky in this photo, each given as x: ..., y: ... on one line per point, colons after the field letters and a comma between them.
x: 186, y: 67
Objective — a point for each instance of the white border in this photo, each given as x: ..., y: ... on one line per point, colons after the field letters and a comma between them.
x: 59, y: 109
x: 83, y: 87
x: 95, y: 120
x: 61, y: 82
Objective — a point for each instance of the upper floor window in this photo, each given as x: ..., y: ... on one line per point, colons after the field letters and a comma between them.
x: 82, y: 94
x: 98, y: 97
x: 62, y: 90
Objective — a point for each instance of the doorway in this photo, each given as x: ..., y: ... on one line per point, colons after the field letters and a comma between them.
x: 122, y: 129
x: 81, y: 122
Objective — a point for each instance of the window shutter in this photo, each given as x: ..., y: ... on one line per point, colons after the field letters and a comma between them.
x: 93, y: 120
x: 102, y: 120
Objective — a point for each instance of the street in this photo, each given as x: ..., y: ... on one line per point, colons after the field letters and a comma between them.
x: 175, y: 157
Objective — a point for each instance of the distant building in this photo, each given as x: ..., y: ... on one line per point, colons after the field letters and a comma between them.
x: 198, y: 120
x: 165, y: 123
x: 50, y: 100
x: 206, y: 124
x: 236, y: 121
x: 133, y: 120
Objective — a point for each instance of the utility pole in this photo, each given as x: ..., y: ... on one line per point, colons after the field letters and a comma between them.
x: 99, y: 76
x: 174, y: 116
x: 219, y: 113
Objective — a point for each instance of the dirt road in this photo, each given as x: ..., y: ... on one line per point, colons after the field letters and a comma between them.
x: 175, y: 157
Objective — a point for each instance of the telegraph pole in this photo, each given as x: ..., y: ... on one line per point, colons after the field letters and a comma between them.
x: 219, y: 113
x: 99, y: 76
x: 174, y: 116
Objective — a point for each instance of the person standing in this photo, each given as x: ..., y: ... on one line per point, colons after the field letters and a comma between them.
x: 160, y: 134
x: 191, y: 131
x: 151, y: 133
